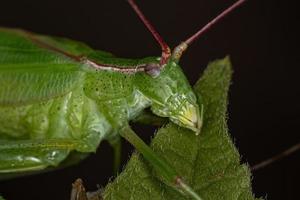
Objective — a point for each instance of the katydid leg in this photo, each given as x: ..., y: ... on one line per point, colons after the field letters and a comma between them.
x: 24, y: 155
x: 117, y: 147
x: 164, y: 169
x: 79, y: 193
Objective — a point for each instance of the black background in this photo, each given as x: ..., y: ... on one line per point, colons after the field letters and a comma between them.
x: 262, y: 39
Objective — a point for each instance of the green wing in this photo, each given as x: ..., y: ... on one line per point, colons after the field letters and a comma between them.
x: 35, y: 68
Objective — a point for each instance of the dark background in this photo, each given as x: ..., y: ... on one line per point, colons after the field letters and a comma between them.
x: 262, y: 39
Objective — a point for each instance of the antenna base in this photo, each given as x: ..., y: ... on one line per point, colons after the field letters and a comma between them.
x: 178, y: 51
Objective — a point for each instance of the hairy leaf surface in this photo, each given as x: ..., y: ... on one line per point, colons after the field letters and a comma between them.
x: 209, y: 162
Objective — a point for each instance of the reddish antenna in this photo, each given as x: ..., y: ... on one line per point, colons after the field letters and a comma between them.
x: 177, y: 52
x: 183, y: 46
x: 166, y: 52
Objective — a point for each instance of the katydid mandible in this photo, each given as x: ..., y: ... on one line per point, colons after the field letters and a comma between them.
x: 59, y: 96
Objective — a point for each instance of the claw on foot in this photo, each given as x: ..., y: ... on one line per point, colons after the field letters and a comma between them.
x: 79, y: 193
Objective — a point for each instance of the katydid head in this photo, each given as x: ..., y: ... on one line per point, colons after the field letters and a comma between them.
x: 180, y: 103
x: 172, y: 96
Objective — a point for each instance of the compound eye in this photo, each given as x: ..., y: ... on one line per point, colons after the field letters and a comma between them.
x: 152, y: 69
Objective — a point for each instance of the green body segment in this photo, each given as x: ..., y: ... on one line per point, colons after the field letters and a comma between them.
x: 52, y: 101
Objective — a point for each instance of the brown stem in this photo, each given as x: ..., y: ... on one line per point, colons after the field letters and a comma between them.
x: 275, y: 158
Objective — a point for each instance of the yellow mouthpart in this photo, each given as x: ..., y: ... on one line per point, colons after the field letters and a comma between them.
x: 191, y: 118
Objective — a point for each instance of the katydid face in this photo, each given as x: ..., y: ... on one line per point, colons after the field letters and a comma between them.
x: 172, y: 96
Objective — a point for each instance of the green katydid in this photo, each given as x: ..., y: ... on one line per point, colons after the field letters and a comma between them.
x: 58, y: 96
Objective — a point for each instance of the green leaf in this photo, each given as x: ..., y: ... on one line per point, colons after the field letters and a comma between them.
x: 209, y: 163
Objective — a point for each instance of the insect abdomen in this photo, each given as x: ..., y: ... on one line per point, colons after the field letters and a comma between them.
x: 72, y: 116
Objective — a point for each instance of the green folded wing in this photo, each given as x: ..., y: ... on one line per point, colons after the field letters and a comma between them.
x: 32, y: 70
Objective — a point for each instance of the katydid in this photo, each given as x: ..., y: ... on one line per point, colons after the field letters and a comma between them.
x: 59, y: 96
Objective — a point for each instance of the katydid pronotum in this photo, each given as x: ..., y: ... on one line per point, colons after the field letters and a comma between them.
x: 58, y: 96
